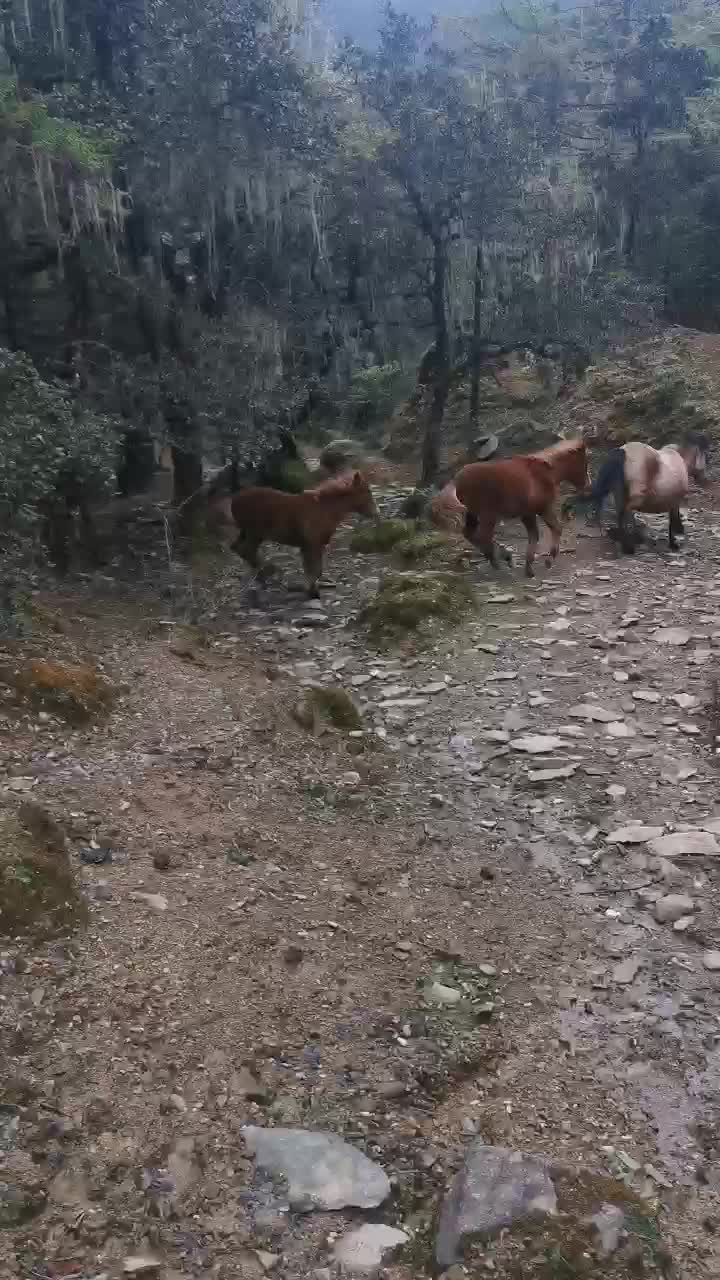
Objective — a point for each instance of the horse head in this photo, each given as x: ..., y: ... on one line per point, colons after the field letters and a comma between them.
x: 364, y: 502
x: 696, y: 453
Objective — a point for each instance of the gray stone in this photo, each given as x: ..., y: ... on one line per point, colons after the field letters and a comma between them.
x: 495, y: 1188
x: 711, y: 961
x: 671, y: 635
x: 438, y: 993
x: 673, y: 906
x: 536, y: 744
x: 627, y: 970
x: 690, y: 843
x: 607, y: 1225
x: 634, y: 833
x: 361, y: 1252
x: 322, y: 1171
x: 593, y: 711
x: 552, y: 775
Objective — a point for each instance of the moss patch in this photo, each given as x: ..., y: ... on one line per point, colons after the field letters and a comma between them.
x: 321, y: 707
x: 38, y: 893
x: 73, y: 691
x: 404, y: 601
x: 382, y: 536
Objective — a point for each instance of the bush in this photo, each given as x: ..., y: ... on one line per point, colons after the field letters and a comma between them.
x: 72, y: 691
x: 332, y: 706
x: 48, y: 442
x: 375, y: 394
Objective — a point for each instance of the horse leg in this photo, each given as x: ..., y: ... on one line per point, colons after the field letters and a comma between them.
x: 480, y: 531
x: 533, y: 534
x: 553, y: 519
x: 249, y: 549
x: 677, y: 528
x: 312, y: 558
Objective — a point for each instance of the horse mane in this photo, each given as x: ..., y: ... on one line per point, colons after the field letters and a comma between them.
x: 336, y: 486
x: 562, y: 446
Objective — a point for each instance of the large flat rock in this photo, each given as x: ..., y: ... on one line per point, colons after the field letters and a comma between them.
x: 495, y: 1188
x: 321, y: 1171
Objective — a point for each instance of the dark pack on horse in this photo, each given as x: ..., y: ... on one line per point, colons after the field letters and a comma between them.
x: 304, y: 520
x: 524, y: 488
x: 643, y: 479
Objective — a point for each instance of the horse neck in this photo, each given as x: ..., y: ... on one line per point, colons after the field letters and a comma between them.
x: 339, y: 504
x: 564, y: 465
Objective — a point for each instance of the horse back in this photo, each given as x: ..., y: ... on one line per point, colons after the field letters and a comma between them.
x: 510, y: 486
x: 659, y: 476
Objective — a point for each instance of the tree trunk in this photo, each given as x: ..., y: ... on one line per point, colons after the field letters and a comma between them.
x: 186, y: 448
x: 475, y: 365
x: 441, y: 382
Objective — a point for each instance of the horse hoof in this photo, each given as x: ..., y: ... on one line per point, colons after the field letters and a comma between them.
x: 549, y: 562
x: 529, y: 571
x: 507, y: 557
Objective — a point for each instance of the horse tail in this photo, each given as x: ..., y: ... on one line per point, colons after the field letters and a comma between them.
x: 609, y: 479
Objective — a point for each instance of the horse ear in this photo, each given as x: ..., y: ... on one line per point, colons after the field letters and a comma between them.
x: 357, y: 480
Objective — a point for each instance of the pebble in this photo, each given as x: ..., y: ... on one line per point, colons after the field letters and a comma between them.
x: 672, y: 907
x: 593, y: 711
x: 619, y: 729
x: 438, y: 993
x: 537, y: 743
x: 362, y: 1251
x: 551, y: 775
x: 635, y: 833
x: 627, y: 970
x: 156, y: 901
x: 676, y: 636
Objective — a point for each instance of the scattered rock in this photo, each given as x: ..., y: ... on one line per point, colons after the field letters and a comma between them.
x: 155, y: 901
x: 362, y: 1251
x: 672, y: 907
x: 537, y: 744
x: 140, y: 1264
x: 634, y: 833
x: 593, y: 711
x: 677, y: 770
x: 607, y: 1225
x: 94, y: 855
x: 690, y: 843
x: 551, y: 775
x: 646, y: 695
x: 711, y: 961
x: 619, y: 729
x: 437, y: 993
x: 677, y: 636
x: 494, y: 1188
x: 322, y: 1171
x: 161, y: 860
x: 627, y: 970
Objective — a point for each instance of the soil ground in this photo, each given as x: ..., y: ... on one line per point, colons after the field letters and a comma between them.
x: 317, y: 884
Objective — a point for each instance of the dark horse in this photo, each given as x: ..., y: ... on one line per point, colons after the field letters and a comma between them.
x: 304, y: 520
x: 641, y: 478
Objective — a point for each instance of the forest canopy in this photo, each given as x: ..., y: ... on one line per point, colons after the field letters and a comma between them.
x: 217, y: 225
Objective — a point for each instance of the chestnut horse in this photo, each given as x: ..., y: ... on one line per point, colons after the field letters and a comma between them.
x: 304, y: 520
x: 653, y: 480
x: 523, y: 487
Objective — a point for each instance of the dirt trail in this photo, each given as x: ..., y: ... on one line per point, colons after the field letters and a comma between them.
x: 313, y: 895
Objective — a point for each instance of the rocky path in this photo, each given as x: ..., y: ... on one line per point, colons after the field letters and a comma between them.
x: 502, y: 929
